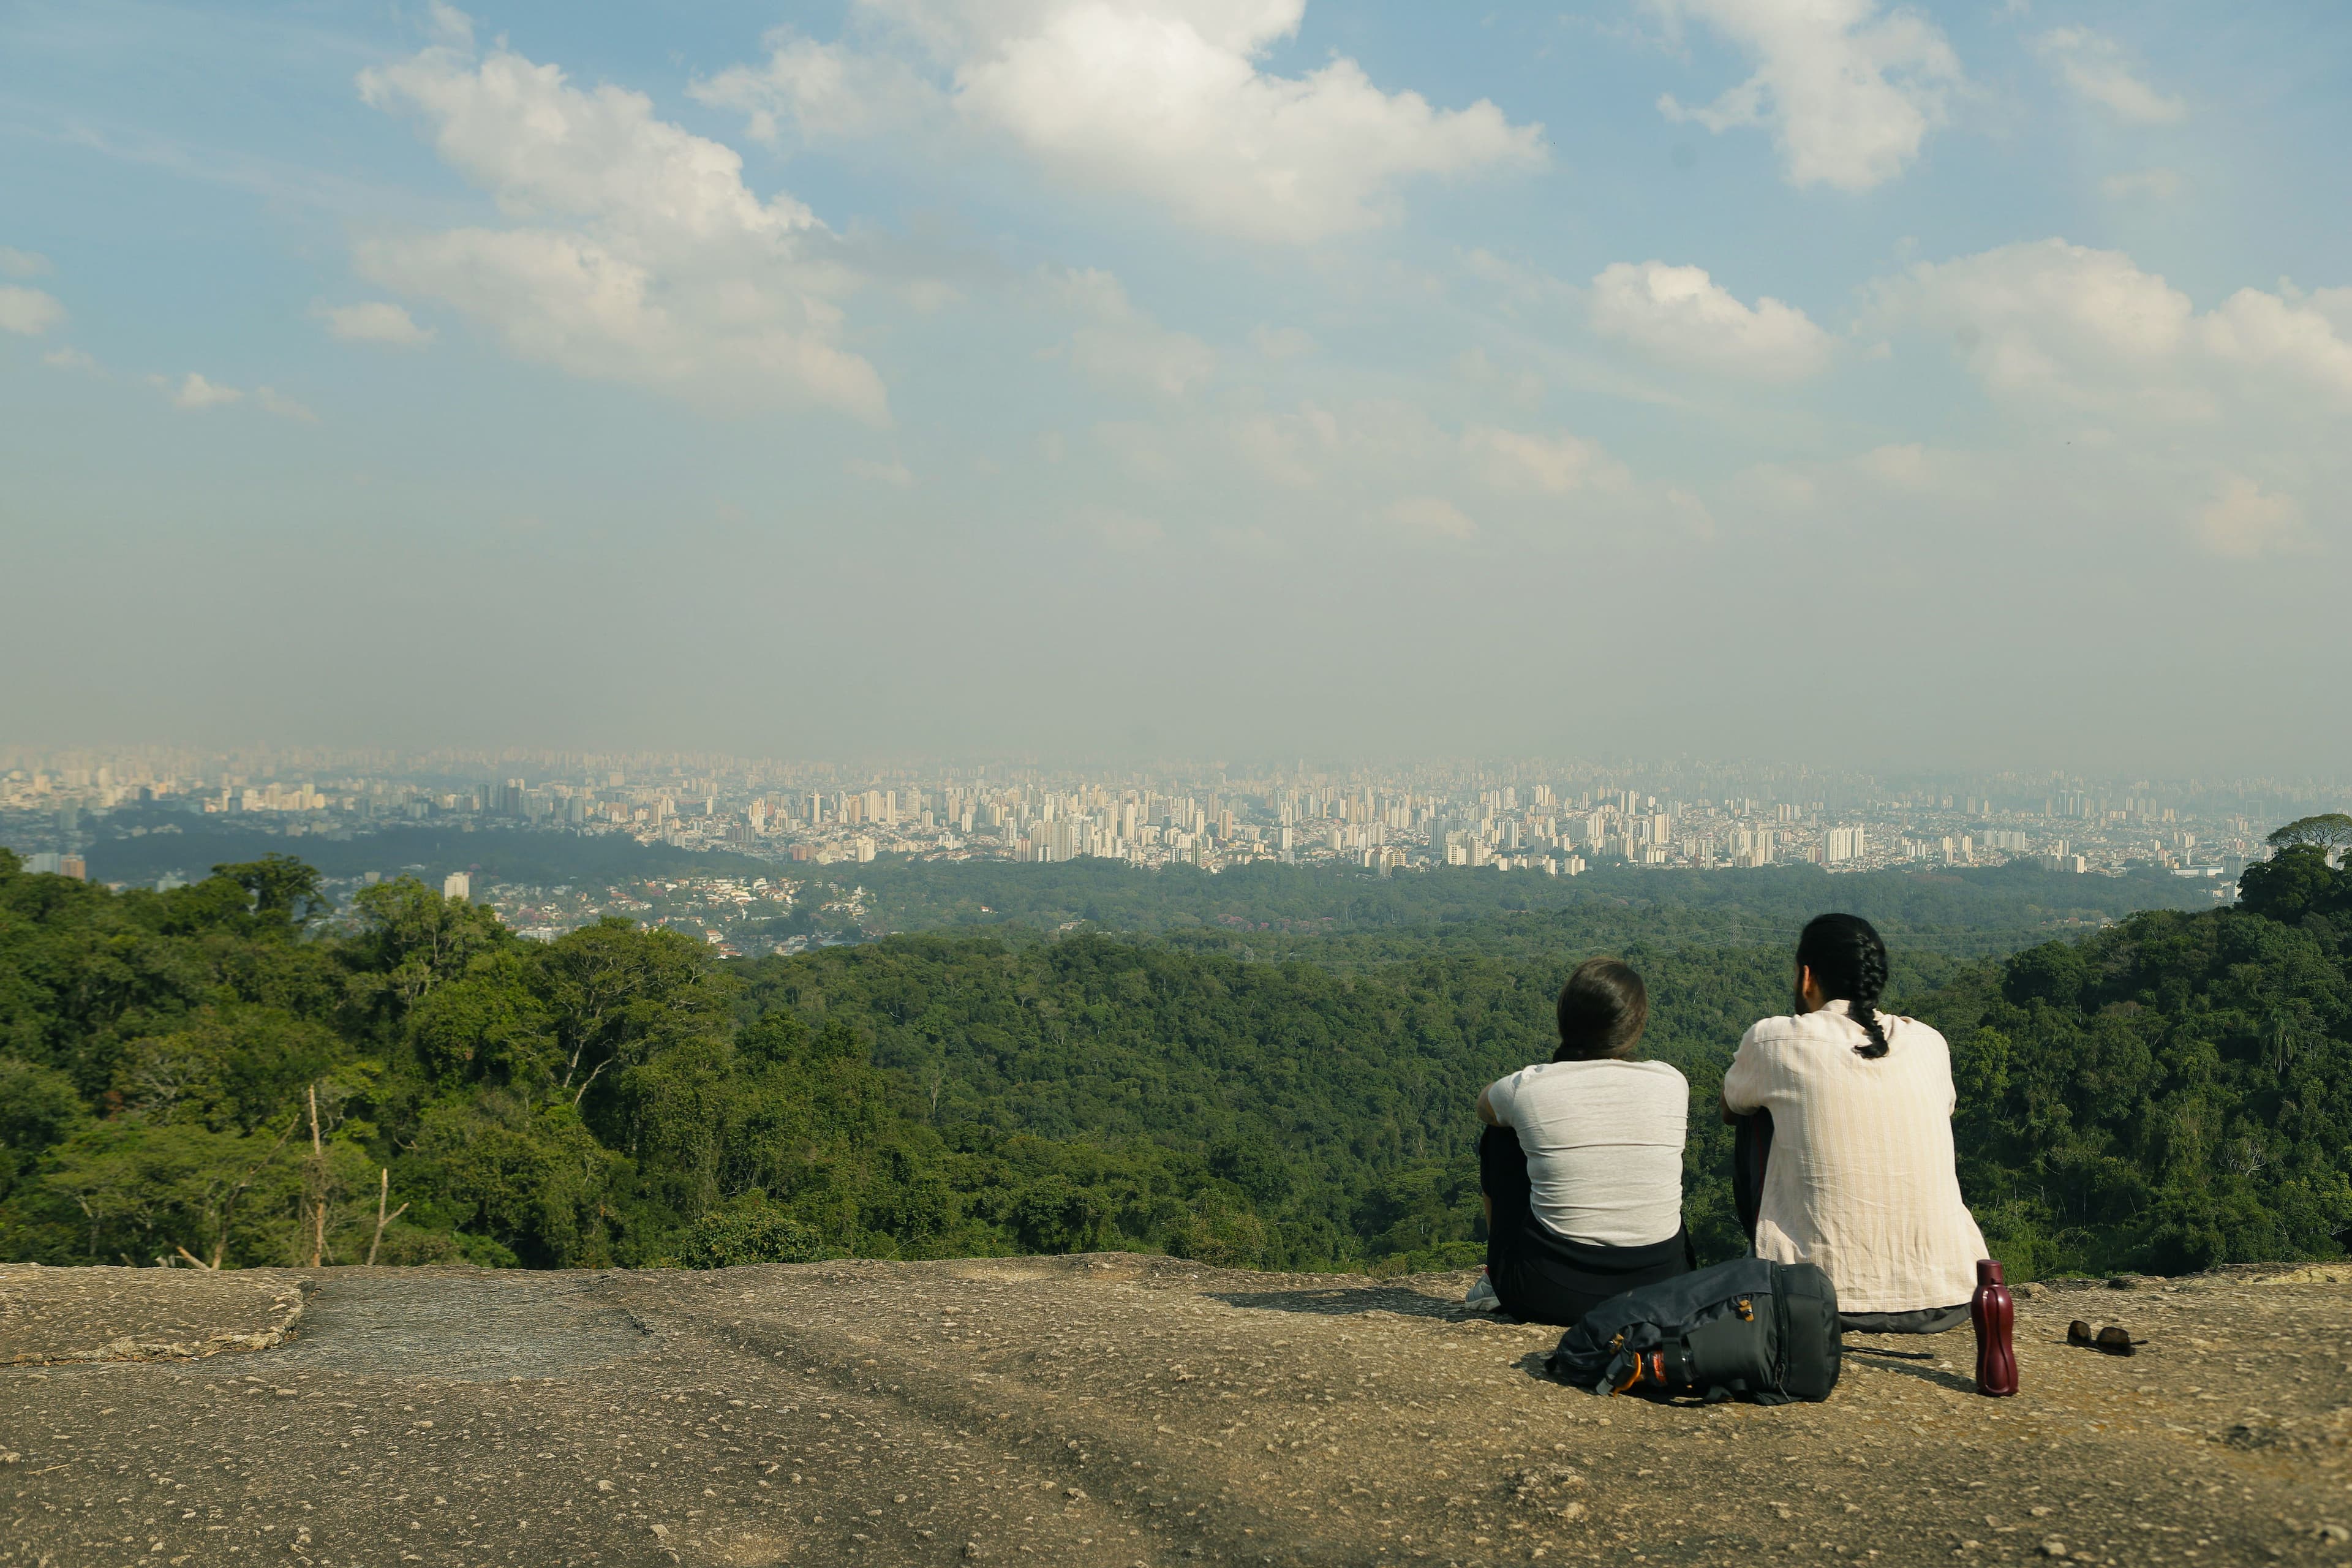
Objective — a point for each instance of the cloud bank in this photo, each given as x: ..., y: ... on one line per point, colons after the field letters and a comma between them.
x: 636, y: 253
x: 1848, y: 91
x: 1681, y: 316
x: 1167, y: 101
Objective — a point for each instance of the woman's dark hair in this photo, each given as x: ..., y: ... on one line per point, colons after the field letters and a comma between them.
x: 1602, y: 1009
x: 1849, y: 964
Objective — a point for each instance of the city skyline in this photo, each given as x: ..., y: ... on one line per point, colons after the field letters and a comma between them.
x: 1912, y: 387
x: 1721, y: 813
x: 758, y: 856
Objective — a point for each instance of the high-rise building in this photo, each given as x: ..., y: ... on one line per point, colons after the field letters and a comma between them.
x: 458, y: 885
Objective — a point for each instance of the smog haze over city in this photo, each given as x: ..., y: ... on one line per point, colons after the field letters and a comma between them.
x: 1909, y: 392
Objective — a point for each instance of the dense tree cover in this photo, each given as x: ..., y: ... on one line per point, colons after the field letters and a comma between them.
x: 1338, y: 1101
x: 193, y: 1074
x: 2330, y: 831
x: 2175, y: 1090
x: 1973, y: 911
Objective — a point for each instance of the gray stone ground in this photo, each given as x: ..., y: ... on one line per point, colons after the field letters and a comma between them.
x: 1110, y: 1411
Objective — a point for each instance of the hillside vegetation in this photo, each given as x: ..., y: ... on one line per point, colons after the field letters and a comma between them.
x: 1280, y: 910
x: 2167, y: 1093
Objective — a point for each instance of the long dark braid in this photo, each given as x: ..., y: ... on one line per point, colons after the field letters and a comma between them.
x: 1849, y: 964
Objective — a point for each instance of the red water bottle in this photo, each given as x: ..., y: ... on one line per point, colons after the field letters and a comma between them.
x: 1994, y: 1313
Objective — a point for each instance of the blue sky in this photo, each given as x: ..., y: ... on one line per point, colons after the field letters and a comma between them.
x: 1957, y: 384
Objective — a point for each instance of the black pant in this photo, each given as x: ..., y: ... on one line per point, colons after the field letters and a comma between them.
x: 1547, y: 1278
x: 1752, y: 1155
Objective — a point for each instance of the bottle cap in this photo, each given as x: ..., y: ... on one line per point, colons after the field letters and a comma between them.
x: 1988, y: 1271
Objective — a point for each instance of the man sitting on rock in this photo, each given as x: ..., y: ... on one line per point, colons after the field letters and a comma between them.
x: 1581, y: 1162
x: 1858, y: 1175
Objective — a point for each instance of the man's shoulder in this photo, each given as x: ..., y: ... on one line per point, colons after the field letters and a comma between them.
x: 1912, y: 1031
x: 1778, y: 1027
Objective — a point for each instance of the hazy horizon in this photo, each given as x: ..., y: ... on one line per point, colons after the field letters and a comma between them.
x: 1897, y: 390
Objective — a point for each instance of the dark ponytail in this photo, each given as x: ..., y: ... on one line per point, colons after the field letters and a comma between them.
x: 1602, y: 1009
x: 1849, y: 964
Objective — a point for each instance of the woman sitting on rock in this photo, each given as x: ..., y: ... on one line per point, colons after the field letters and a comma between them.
x: 1582, y: 1159
x: 1858, y: 1173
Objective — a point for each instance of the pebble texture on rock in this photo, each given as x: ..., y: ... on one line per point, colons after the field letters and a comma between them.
x: 141, y: 1314
x: 1118, y: 1410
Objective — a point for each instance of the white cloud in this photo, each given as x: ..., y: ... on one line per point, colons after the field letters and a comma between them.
x: 1681, y: 315
x: 2127, y: 399
x: 1318, y: 475
x: 2307, y: 338
x: 28, y: 311
x: 1849, y: 93
x: 22, y: 263
x: 1549, y: 465
x: 2094, y: 67
x: 1165, y: 99
x: 375, y: 321
x: 1119, y: 344
x: 2156, y: 184
x: 895, y: 474
x: 1145, y: 448
x: 829, y: 90
x: 2051, y: 322
x: 1905, y: 466
x: 2245, y: 522
x: 639, y: 254
x: 1432, y: 517
x: 194, y: 391
x: 74, y: 359
x: 2048, y: 317
x: 285, y: 407
x: 1540, y: 486
x: 1289, y: 448
x: 450, y: 25
x: 1281, y: 343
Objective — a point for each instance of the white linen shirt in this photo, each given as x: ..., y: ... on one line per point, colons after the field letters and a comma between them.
x: 1604, y: 1141
x: 1860, y: 1181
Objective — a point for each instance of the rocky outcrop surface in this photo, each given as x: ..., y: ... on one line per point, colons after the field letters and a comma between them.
x: 1115, y: 1410
x: 62, y: 1315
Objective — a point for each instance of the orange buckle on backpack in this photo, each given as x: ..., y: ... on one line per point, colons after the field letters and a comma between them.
x: 1648, y: 1366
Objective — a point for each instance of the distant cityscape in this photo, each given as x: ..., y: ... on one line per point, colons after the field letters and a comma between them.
x: 1529, y: 818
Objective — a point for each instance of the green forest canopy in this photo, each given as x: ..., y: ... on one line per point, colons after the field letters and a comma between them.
x: 2172, y: 1091
x: 1948, y: 909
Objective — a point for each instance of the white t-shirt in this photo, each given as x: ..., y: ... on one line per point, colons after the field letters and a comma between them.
x: 1604, y: 1146
x: 1861, y: 1181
